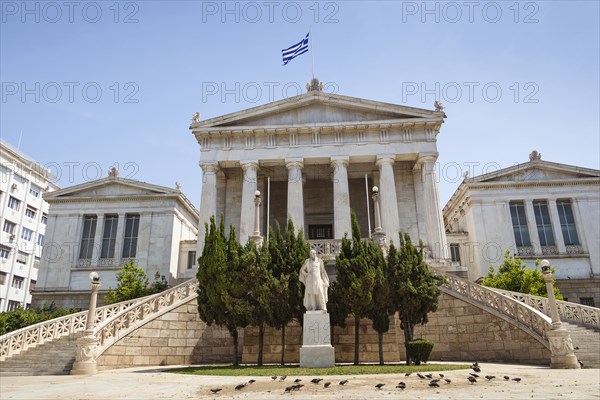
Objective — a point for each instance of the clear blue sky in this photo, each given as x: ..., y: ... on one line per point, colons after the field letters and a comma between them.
x: 168, y: 59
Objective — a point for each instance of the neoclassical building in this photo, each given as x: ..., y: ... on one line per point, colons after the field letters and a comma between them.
x: 315, y: 157
x: 97, y: 225
x: 538, y: 210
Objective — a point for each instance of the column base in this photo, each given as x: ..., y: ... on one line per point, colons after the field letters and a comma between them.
x: 84, y: 368
x: 322, y: 356
x: 561, y: 349
x: 316, y: 350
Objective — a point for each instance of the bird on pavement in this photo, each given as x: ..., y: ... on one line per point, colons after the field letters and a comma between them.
x: 326, y: 384
x: 506, y: 377
x: 434, y: 381
x: 476, y: 369
x: 288, y: 389
x: 434, y: 384
x: 380, y: 385
x: 297, y: 387
x: 217, y: 390
x: 472, y: 379
x: 252, y: 381
x: 429, y: 376
x: 408, y: 374
x: 447, y: 380
x: 273, y: 377
x: 282, y: 378
x: 474, y: 375
x: 490, y: 377
x: 441, y: 375
x: 420, y: 376
x: 240, y: 386
x: 516, y: 379
x: 343, y: 382
x: 297, y: 380
x: 316, y: 380
x: 401, y: 385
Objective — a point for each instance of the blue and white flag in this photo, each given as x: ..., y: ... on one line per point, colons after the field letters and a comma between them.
x: 294, y: 51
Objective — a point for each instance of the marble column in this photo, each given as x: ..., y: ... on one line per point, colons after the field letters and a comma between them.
x: 556, y: 229
x: 119, y: 239
x: 388, y: 202
x: 532, y: 227
x: 249, y: 185
x: 295, y: 194
x: 436, y: 235
x: 98, y: 240
x: 341, y: 197
x: 208, y: 201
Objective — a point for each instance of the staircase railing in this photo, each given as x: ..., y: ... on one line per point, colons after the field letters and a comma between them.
x: 570, y: 312
x: 22, y: 339
x: 528, y: 318
x: 111, y: 330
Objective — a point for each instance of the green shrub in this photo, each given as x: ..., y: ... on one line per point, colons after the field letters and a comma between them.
x: 419, y: 350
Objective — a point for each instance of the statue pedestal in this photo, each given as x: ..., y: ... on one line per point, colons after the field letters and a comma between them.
x: 316, y: 350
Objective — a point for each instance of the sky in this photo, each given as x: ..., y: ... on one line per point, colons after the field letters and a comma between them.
x: 88, y: 85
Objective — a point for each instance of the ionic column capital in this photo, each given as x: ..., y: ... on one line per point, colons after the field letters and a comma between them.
x: 340, y: 160
x: 385, y: 159
x: 297, y: 162
x: 249, y: 165
x: 427, y: 158
x: 209, y: 167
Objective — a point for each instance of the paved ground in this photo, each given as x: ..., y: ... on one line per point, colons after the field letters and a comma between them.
x: 152, y: 383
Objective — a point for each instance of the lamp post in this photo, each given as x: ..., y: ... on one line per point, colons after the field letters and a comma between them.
x: 378, y: 233
x: 256, y: 237
x: 561, y: 347
x: 85, y: 359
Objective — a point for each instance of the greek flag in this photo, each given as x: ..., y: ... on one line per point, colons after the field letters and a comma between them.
x: 294, y: 51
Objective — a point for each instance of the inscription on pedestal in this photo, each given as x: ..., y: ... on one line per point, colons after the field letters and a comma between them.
x: 316, y: 350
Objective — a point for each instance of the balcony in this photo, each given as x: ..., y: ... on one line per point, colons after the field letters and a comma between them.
x: 549, y: 250
x: 525, y: 250
x: 326, y: 249
x: 574, y: 249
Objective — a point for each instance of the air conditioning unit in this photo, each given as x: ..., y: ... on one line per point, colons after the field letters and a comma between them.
x: 12, y: 236
x: 14, y: 186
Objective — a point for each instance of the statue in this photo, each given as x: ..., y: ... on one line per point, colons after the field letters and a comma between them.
x: 438, y: 106
x: 315, y: 279
x: 196, y: 117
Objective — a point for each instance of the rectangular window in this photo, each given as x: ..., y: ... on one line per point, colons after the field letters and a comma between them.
x: 14, y: 203
x: 191, y: 259
x: 44, y: 219
x: 455, y: 252
x: 4, y: 252
x: 36, y: 262
x: 109, y: 236
x: 587, y: 301
x: 40, y: 239
x: 26, y: 234
x: 30, y: 212
x: 34, y: 191
x: 2, y: 278
x: 519, y: 223
x: 17, y: 282
x: 13, y: 305
x: 87, y: 237
x: 542, y: 220
x: 22, y: 257
x: 9, y: 227
x: 317, y: 232
x: 32, y: 284
x: 132, y: 224
x: 567, y: 222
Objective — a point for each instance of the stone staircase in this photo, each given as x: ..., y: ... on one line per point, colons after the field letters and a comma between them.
x: 53, y: 358
x: 587, y: 344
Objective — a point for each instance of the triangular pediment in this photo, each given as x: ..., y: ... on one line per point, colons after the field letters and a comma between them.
x: 537, y: 171
x: 315, y: 108
x: 110, y: 187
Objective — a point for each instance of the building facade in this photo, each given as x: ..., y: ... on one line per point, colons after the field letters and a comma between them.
x: 537, y: 210
x: 23, y: 217
x: 314, y: 158
x: 98, y: 225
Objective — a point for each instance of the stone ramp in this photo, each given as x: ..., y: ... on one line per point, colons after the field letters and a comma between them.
x: 52, y: 358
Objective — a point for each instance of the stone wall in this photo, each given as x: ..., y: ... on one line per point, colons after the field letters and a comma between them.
x: 177, y: 337
x: 575, y: 289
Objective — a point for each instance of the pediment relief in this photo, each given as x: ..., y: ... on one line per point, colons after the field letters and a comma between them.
x: 537, y: 173
x: 109, y: 188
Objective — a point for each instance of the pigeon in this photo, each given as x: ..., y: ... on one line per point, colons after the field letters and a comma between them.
x: 343, y: 382
x: 297, y: 380
x: 420, y: 376
x: 516, y: 379
x: 288, y: 389
x: 408, y: 374
x: 326, y: 384
x: 297, y: 387
x: 282, y: 378
x: 241, y: 386
x: 434, y: 381
x: 316, y: 380
x: 273, y: 377
x: 217, y: 390
x: 506, y: 377
x: 476, y: 369
x: 580, y: 363
x: 490, y: 377
x: 429, y: 376
x: 447, y: 380
x: 434, y: 384
x: 441, y: 375
x: 380, y: 385
x: 252, y: 381
x: 401, y: 385
x: 475, y: 364
x: 472, y: 379
x: 474, y: 375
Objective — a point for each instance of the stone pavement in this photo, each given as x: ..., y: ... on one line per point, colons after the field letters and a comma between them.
x: 152, y: 383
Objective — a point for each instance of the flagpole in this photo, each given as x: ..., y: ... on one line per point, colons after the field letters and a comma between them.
x: 312, y: 53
